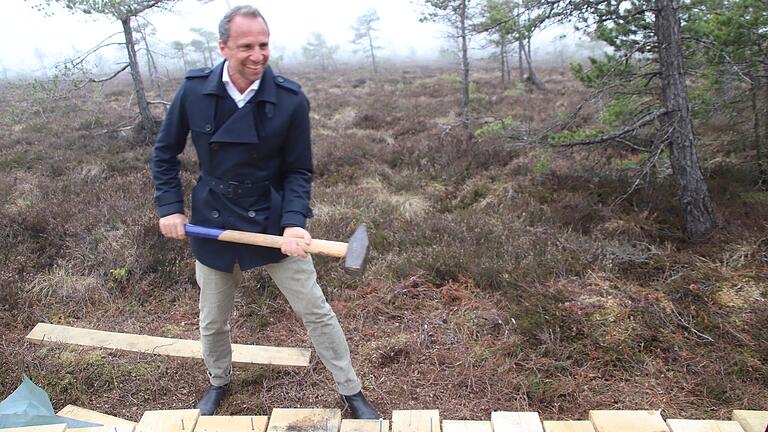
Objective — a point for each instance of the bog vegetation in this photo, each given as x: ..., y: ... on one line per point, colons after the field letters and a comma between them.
x: 511, y: 269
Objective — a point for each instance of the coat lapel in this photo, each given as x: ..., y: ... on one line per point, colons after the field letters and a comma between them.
x: 240, y: 128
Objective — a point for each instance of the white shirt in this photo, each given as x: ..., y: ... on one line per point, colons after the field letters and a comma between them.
x: 239, y: 98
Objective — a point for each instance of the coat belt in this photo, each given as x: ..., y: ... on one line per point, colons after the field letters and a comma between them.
x: 234, y: 189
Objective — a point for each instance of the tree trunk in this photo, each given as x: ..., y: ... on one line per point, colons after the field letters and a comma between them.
x: 503, y: 55
x: 464, y: 71
x: 760, y: 113
x: 373, y: 54
x: 147, y: 121
x: 520, y: 50
x: 531, y: 72
x: 698, y: 213
x: 509, y: 68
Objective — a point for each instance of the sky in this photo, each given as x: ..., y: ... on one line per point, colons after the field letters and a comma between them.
x: 29, y: 38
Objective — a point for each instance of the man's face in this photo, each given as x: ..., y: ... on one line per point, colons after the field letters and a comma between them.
x: 247, y: 50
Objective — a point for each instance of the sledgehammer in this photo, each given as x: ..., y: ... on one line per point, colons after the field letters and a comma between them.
x: 354, y: 252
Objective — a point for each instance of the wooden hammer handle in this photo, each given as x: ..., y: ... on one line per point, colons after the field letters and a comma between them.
x: 322, y: 247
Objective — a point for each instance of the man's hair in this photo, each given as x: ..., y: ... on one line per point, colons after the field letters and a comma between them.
x: 243, y: 10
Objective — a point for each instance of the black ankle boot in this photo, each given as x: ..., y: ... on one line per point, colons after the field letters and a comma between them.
x: 212, y: 398
x: 359, y: 407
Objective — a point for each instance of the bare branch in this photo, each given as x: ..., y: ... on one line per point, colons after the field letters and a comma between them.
x: 648, y: 118
x: 101, y: 80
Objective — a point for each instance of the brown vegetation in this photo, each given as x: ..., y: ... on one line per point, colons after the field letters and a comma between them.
x: 503, y: 276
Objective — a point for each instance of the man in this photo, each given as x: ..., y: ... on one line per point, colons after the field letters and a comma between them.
x: 251, y: 133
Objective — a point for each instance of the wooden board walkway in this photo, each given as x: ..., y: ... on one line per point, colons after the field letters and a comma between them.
x: 329, y: 420
x: 242, y: 355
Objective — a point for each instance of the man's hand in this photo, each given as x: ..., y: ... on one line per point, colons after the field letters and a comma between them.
x: 172, y: 226
x: 294, y: 240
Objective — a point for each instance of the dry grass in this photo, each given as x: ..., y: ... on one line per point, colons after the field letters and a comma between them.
x: 502, y: 276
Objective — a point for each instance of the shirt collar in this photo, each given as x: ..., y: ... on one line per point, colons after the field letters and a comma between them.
x: 239, y: 98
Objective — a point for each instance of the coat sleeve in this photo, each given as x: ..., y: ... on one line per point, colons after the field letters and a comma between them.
x: 297, y: 168
x: 169, y: 196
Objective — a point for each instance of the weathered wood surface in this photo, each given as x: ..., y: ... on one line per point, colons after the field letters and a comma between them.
x: 46, y: 428
x: 352, y: 425
x: 242, y: 355
x: 751, y: 421
x: 416, y: 421
x: 83, y: 414
x: 110, y: 428
x: 511, y: 421
x: 627, y: 421
x: 168, y: 421
x: 231, y: 424
x: 568, y: 426
x: 304, y: 420
x: 682, y: 425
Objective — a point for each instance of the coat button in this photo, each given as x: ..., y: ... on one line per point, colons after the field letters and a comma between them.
x: 252, y: 214
x: 208, y: 127
x: 280, y: 79
x: 215, y: 214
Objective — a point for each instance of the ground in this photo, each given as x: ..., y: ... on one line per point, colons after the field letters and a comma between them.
x: 504, y: 275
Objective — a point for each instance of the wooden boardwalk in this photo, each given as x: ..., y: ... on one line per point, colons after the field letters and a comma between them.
x: 329, y: 420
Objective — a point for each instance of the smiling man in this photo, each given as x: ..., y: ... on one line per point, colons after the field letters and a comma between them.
x: 251, y: 132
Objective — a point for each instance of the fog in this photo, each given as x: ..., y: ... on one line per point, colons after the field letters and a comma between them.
x: 35, y: 43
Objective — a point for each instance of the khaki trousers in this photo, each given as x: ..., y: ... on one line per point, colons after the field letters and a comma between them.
x: 297, y: 280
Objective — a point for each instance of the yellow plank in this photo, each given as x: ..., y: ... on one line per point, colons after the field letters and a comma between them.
x: 112, y: 428
x: 568, y: 426
x: 242, y: 355
x: 231, y: 424
x: 680, y: 425
x: 304, y: 420
x: 751, y: 421
x: 416, y: 421
x: 168, y: 421
x: 84, y: 414
x: 46, y: 428
x: 627, y: 421
x: 467, y: 426
x: 511, y: 421
x: 353, y: 425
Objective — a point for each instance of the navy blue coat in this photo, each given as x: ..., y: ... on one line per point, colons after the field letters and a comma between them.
x: 255, y: 163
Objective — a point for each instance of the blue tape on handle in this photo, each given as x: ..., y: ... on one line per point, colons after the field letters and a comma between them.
x: 204, y: 232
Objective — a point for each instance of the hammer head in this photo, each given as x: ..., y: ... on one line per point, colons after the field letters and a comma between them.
x: 357, y: 251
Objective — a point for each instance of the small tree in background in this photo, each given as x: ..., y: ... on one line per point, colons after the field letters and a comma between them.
x: 317, y: 50
x: 124, y: 11
x: 364, y: 29
x: 181, y: 49
x: 458, y: 15
x: 209, y: 42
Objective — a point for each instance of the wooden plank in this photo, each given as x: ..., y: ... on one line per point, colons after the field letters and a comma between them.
x: 568, y: 426
x: 354, y: 425
x: 627, y: 421
x: 46, y: 428
x: 751, y: 421
x: 467, y: 426
x: 231, y: 424
x: 168, y: 421
x: 111, y: 428
x: 83, y: 414
x: 416, y: 421
x: 242, y: 355
x: 681, y: 425
x: 511, y: 421
x: 304, y: 420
